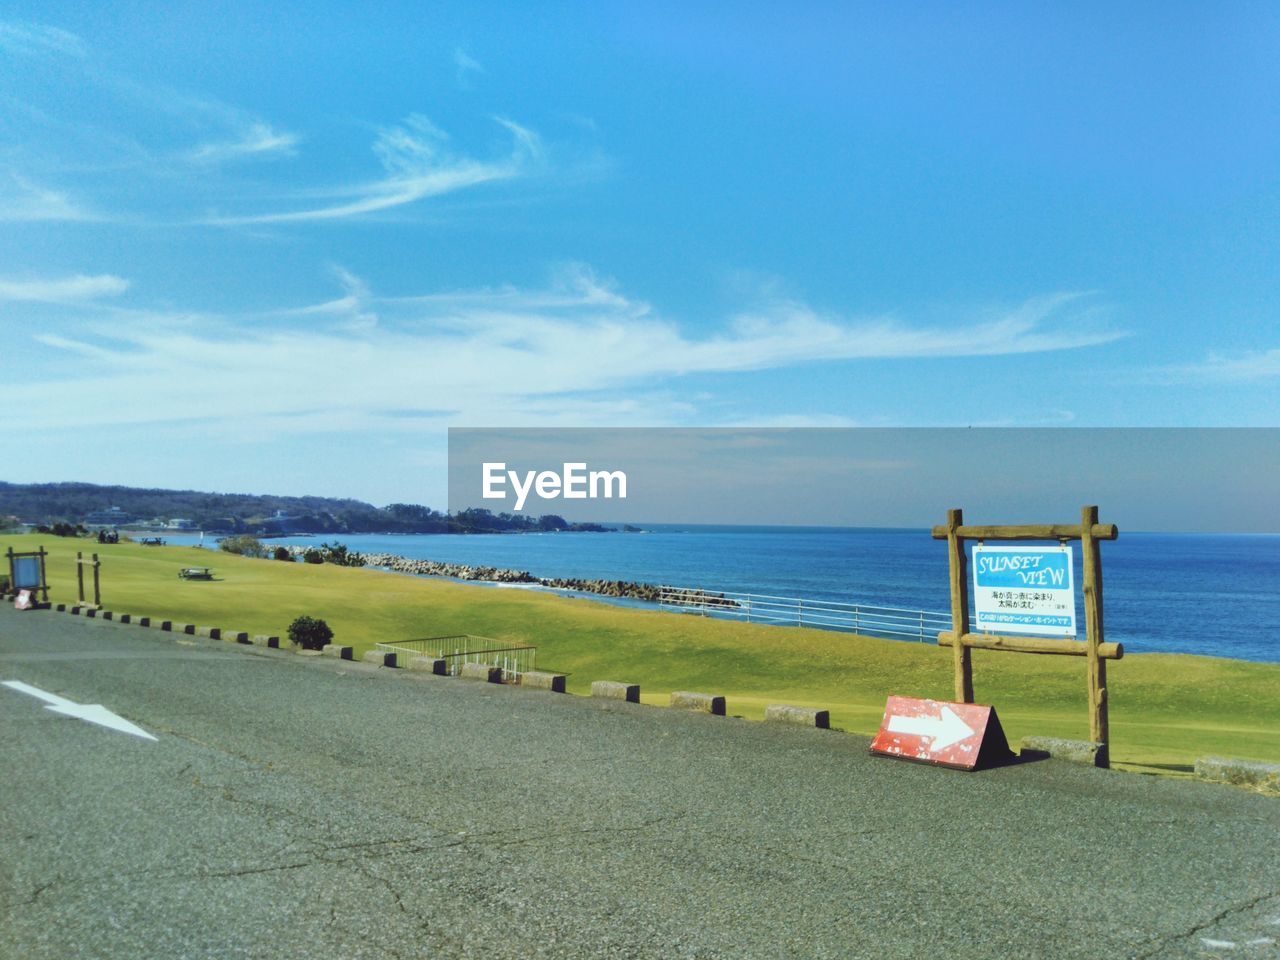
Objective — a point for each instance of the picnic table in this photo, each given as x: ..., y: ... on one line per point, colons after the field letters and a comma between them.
x: 152, y: 542
x: 195, y: 573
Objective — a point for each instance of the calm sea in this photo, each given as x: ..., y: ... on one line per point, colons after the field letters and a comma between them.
x: 1209, y: 594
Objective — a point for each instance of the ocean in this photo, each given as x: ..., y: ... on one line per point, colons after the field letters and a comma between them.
x: 1209, y: 594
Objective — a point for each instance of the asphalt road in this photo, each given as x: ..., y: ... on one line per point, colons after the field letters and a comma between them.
x: 300, y: 807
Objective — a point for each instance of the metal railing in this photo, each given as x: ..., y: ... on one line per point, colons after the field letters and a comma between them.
x: 457, y: 649
x: 866, y: 619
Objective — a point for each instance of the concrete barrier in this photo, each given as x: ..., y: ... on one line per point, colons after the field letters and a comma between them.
x: 90, y: 611
x: 125, y: 618
x: 543, y: 681
x: 61, y: 607
x: 108, y: 615
x: 262, y: 640
x: 143, y: 621
x: 235, y: 636
x: 382, y: 658
x: 1242, y: 773
x: 429, y: 664
x: 187, y: 628
x: 213, y: 633
x: 801, y: 716
x: 163, y: 624
x: 1074, y: 751
x: 334, y: 650
x: 699, y: 702
x: 481, y: 671
x: 612, y: 690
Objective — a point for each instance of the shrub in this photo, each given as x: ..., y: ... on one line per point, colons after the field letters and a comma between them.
x: 244, y: 545
x: 313, y: 556
x: 282, y: 553
x: 309, y: 633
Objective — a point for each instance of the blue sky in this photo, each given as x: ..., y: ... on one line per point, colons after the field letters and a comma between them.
x: 285, y: 250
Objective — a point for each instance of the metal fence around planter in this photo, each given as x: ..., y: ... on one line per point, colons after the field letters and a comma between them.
x: 457, y: 649
x: 892, y: 622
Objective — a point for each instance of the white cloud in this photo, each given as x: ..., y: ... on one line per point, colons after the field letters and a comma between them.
x: 577, y: 352
x: 23, y: 201
x: 75, y: 289
x: 37, y: 39
x: 417, y: 165
x: 1216, y: 368
x: 464, y: 66
x: 256, y: 139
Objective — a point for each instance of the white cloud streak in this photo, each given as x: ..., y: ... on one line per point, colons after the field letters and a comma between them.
x: 417, y: 165
x: 563, y: 355
x: 36, y: 39
x: 256, y: 140
x: 25, y: 202
x: 63, y: 290
x: 1242, y: 368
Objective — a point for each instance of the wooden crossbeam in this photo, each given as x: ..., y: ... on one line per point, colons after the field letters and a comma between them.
x: 1029, y: 531
x: 1062, y: 648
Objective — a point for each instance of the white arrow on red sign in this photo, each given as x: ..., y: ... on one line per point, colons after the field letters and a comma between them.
x: 945, y: 729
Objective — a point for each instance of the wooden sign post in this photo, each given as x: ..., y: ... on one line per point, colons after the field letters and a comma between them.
x: 1093, y: 648
x: 81, y: 563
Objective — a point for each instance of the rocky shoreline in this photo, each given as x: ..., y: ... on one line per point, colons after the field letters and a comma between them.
x: 626, y: 589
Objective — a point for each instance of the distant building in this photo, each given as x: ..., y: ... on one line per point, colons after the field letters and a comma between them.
x: 180, y: 524
x: 112, y: 517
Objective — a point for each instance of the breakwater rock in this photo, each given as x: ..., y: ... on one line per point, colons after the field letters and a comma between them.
x: 628, y: 589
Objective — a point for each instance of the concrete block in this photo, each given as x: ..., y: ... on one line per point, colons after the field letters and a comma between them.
x: 262, y: 640
x: 801, y: 716
x: 334, y: 650
x: 1243, y: 773
x: 481, y: 671
x: 700, y: 702
x: 91, y: 611
x: 125, y: 618
x: 381, y: 658
x: 188, y: 628
x: 142, y: 621
x: 163, y: 624
x: 543, y: 681
x: 61, y: 607
x: 612, y: 690
x: 1074, y: 751
x: 434, y: 665
x: 213, y: 633
x: 75, y: 611
x: 235, y: 636
x: 107, y: 615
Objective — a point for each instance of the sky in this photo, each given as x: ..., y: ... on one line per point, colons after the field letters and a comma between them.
x: 283, y: 249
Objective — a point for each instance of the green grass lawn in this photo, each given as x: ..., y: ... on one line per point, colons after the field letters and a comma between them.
x: 1166, y: 709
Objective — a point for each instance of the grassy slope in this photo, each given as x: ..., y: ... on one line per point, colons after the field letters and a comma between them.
x: 1166, y: 709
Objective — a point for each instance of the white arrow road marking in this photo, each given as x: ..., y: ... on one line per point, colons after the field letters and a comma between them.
x: 945, y: 729
x: 92, y: 712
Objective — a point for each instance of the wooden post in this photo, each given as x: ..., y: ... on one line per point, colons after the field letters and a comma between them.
x: 13, y: 583
x: 80, y: 573
x: 961, y: 657
x: 1099, y: 728
x: 44, y: 578
x: 97, y: 594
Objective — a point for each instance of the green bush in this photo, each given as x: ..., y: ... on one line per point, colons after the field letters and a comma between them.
x: 309, y: 633
x: 313, y: 556
x: 244, y: 545
x: 282, y: 553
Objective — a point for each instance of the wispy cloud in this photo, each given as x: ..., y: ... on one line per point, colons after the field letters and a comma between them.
x: 577, y: 351
x: 465, y: 65
x: 257, y: 139
x: 37, y: 39
x: 73, y: 290
x: 24, y: 201
x: 417, y: 164
x: 1247, y: 367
